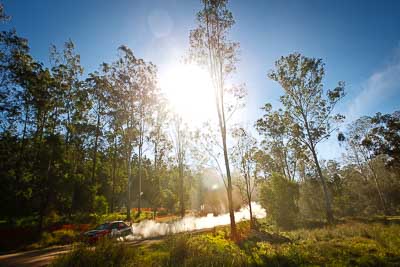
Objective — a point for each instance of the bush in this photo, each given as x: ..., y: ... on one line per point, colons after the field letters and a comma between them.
x: 109, y: 253
x: 205, y: 250
x: 100, y: 205
x: 106, y: 253
x: 59, y: 237
x: 112, y: 217
x: 279, y: 197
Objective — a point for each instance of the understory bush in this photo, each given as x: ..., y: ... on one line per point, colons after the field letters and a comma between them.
x: 58, y: 237
x: 106, y: 253
x: 205, y: 250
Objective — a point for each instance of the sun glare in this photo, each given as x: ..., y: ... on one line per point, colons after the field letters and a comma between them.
x: 188, y: 89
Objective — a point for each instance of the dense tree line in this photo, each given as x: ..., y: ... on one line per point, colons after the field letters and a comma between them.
x: 71, y: 141
x: 298, y: 186
x: 75, y: 143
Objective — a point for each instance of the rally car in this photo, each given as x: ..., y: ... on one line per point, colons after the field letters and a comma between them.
x: 108, y: 230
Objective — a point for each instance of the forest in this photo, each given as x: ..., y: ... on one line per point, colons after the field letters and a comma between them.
x: 82, y: 147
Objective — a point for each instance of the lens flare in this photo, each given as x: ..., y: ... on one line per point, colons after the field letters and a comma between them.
x: 190, y: 93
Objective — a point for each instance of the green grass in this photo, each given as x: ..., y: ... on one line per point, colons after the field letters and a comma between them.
x: 349, y: 244
x: 105, y: 254
x: 58, y: 237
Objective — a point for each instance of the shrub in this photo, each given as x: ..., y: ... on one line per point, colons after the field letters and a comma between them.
x: 205, y: 250
x: 64, y: 236
x: 112, y: 217
x: 279, y: 197
x: 106, y: 253
x: 59, y: 237
x: 100, y: 205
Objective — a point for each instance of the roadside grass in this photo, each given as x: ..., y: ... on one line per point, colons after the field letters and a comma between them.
x: 105, y: 254
x: 58, y: 237
x: 347, y: 244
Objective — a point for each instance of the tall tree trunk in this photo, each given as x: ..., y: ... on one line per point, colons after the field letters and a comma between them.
x: 18, y: 170
x: 48, y: 184
x: 129, y: 157
x: 141, y: 141
x: 94, y: 182
x: 229, y: 189
x: 114, y: 163
x: 328, y: 205
x: 311, y: 146
x: 380, y: 194
x: 156, y: 176
x: 251, y: 213
x: 140, y: 179
x: 128, y: 203
x: 182, y: 189
x: 67, y: 134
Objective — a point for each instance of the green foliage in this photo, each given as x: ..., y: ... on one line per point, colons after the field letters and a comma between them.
x: 310, y: 205
x: 344, y: 245
x: 113, y: 217
x: 279, y: 197
x: 308, y: 110
x: 58, y: 237
x: 100, y: 205
x: 106, y: 253
x: 205, y: 250
x: 68, y: 142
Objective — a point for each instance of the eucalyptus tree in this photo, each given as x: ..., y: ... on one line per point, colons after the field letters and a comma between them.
x: 244, y: 156
x: 368, y: 141
x: 311, y: 111
x: 15, y: 99
x: 360, y: 156
x: 124, y: 71
x: 138, y: 94
x: 180, y: 140
x: 116, y: 118
x: 286, y: 152
x: 67, y: 71
x: 161, y: 147
x: 74, y: 127
x: 15, y: 62
x: 211, y: 48
x: 45, y: 178
x: 98, y: 89
x: 26, y: 94
x: 146, y: 101
x: 384, y: 137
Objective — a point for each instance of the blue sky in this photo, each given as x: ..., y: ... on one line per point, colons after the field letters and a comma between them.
x: 358, y: 40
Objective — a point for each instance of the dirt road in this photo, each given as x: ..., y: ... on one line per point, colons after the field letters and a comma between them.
x: 36, y: 258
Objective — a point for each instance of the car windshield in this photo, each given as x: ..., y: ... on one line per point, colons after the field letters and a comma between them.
x: 102, y: 226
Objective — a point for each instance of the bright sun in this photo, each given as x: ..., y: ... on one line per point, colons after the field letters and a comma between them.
x: 189, y: 90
